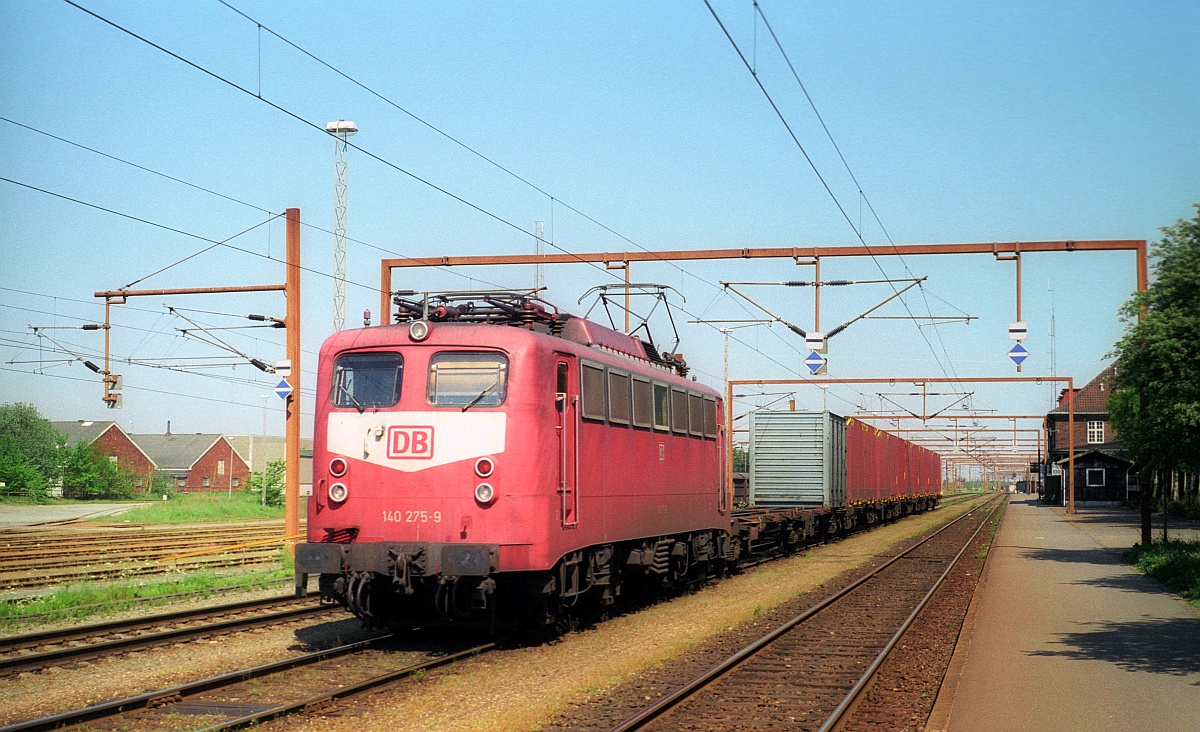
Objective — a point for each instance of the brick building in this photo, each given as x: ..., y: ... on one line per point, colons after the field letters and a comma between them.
x: 111, y: 440
x: 1102, y: 472
x: 198, y: 462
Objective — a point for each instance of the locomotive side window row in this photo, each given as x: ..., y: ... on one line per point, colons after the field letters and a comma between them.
x: 623, y: 399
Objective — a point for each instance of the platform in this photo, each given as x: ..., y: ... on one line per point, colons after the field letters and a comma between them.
x: 1063, y: 635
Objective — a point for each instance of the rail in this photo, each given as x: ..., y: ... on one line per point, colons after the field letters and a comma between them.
x: 648, y: 714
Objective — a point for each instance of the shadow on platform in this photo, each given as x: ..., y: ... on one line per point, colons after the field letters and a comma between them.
x: 1169, y: 646
x: 1071, y: 556
x: 1138, y: 583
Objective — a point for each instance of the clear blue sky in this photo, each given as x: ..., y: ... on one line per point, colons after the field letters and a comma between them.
x: 962, y: 122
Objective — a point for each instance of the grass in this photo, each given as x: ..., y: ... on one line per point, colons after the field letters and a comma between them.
x: 89, y: 600
x: 1175, y: 563
x: 186, y: 508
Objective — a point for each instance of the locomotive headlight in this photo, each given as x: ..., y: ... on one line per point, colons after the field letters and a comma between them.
x: 484, y: 493
x: 337, y: 467
x: 484, y: 467
x: 338, y: 492
x: 419, y: 330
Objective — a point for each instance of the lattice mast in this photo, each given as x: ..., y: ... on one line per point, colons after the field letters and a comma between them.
x: 341, y: 129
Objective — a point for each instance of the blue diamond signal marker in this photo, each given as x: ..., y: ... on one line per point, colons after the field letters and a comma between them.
x: 1018, y: 354
x: 814, y: 362
x: 284, y: 390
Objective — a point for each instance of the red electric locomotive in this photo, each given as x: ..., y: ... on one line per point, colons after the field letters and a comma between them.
x: 494, y: 455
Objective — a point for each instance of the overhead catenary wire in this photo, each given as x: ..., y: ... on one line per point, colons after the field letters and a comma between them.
x: 206, y: 398
x: 226, y: 197
x: 837, y: 203
x: 119, y: 325
x: 553, y: 199
x: 224, y: 243
x: 384, y: 161
x: 368, y: 153
x: 81, y: 353
x: 861, y: 193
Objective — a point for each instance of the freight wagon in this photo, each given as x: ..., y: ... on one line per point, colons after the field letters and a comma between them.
x: 820, y: 460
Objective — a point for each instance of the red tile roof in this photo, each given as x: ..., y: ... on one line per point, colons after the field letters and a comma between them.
x: 1093, y: 397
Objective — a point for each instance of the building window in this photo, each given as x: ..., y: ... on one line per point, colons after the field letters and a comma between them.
x: 220, y: 467
x: 1095, y: 477
x: 181, y: 482
x: 205, y: 482
x: 112, y: 459
x: 236, y: 482
x: 138, y: 482
x: 1095, y: 433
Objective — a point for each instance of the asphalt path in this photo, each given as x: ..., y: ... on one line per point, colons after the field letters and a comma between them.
x: 11, y: 515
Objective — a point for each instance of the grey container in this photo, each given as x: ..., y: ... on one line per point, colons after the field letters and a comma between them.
x: 797, y: 459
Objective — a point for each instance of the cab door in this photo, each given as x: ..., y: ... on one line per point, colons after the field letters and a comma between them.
x: 566, y: 405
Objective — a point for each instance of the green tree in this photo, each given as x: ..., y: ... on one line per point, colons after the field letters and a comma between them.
x: 741, y: 459
x: 268, y: 484
x: 29, y: 450
x: 21, y: 476
x: 89, y: 473
x: 162, y: 483
x: 24, y: 432
x: 1156, y: 407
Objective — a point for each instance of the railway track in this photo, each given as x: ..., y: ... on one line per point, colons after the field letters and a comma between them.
x: 52, y: 553
x: 33, y: 558
x: 32, y: 651
x: 20, y: 544
x: 29, y: 579
x: 809, y: 671
x: 255, y: 695
x: 126, y: 603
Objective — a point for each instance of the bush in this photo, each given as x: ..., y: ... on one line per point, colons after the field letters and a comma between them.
x: 1183, y: 510
x: 268, y: 484
x: 1175, y: 563
x: 89, y: 473
x: 22, y: 477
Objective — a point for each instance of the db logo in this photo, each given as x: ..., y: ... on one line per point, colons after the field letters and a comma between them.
x: 410, y: 443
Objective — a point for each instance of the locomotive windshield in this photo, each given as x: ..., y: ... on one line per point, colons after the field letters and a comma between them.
x: 367, y: 380
x: 467, y: 379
